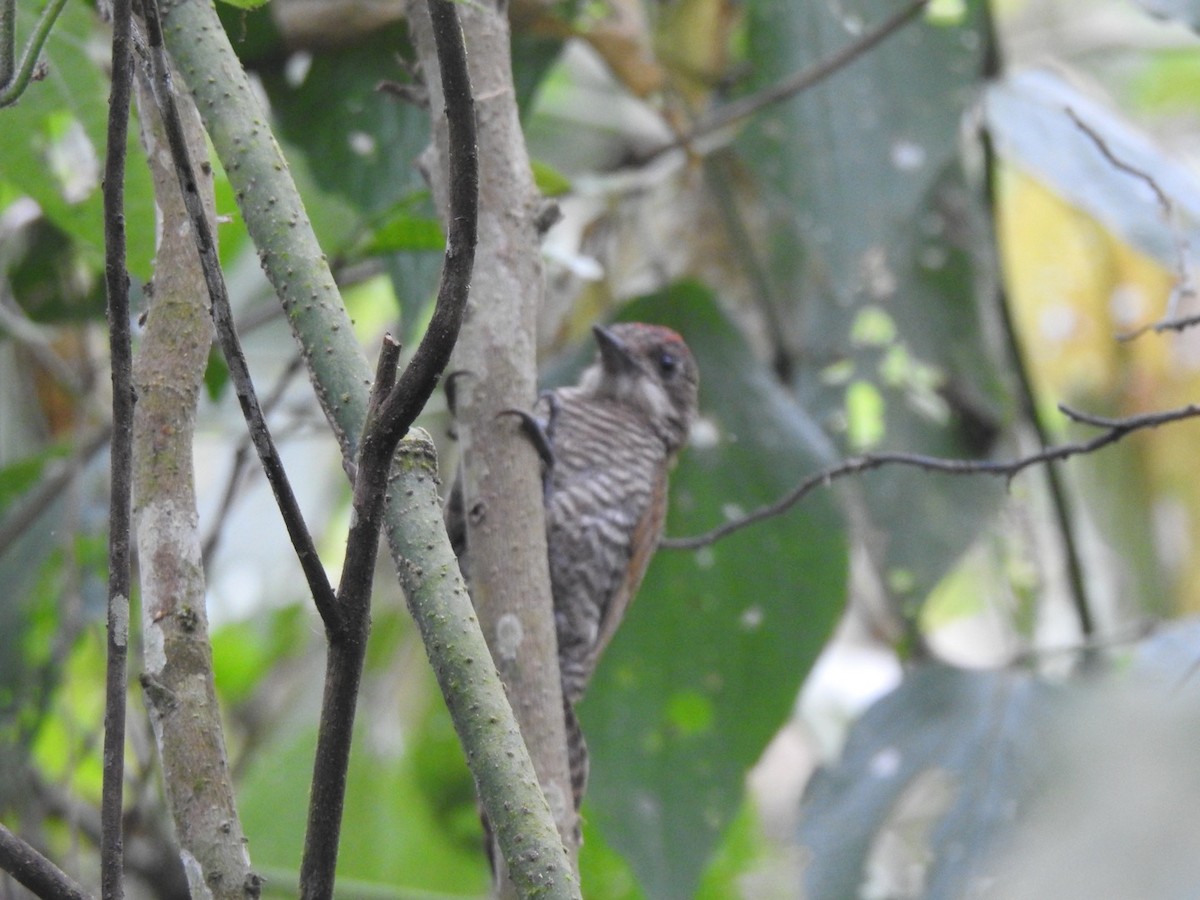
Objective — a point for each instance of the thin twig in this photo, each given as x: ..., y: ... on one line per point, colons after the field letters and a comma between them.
x: 50, y: 487
x: 11, y: 91
x: 37, y: 340
x: 393, y: 407
x: 1184, y: 286
x: 240, y: 457
x: 744, y: 107
x: 29, y: 867
x: 1161, y: 326
x: 239, y: 372
x: 120, y: 501
x: 1114, y: 430
x: 1027, y: 409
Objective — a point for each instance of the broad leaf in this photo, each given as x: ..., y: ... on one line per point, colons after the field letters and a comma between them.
x: 930, y: 776
x: 52, y: 142
x: 710, y: 657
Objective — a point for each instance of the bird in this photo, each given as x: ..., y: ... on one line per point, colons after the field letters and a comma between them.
x: 607, y: 445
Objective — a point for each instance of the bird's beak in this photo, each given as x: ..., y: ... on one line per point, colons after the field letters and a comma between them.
x: 614, y: 352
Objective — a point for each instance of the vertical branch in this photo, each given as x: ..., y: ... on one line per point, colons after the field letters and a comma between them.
x: 391, y: 411
x: 8, y: 41
x: 117, y: 285
x: 178, y: 686
x: 502, y: 491
x: 347, y: 639
x: 1027, y: 405
x: 222, y: 314
x: 292, y: 260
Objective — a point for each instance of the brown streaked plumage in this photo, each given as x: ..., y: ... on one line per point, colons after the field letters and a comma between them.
x: 610, y: 442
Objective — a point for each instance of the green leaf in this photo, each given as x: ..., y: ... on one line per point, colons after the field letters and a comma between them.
x: 549, y: 180
x: 246, y: 4
x: 216, y: 375
x: 938, y: 766
x: 19, y: 476
x: 53, y: 276
x: 52, y: 142
x: 244, y: 652
x: 743, y: 849
x: 356, y: 147
x: 708, y: 662
x: 403, y: 826
x: 877, y: 253
x: 408, y: 225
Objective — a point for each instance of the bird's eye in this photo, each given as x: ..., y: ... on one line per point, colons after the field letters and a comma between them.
x: 668, y: 363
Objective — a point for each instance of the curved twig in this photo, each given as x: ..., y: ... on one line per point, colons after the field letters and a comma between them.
x: 1114, y: 430
x: 744, y: 107
x: 11, y: 91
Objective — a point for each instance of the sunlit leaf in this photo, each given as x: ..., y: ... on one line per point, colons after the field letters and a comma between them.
x: 550, y: 181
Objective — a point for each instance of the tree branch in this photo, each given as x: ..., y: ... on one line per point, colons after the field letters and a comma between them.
x: 1114, y: 430
x: 501, y: 484
x: 12, y: 87
x: 231, y: 348
x: 120, y: 499
x: 409, y: 396
x: 348, y: 644
x: 50, y: 488
x: 238, y: 467
x: 433, y: 586
x: 178, y: 688
x: 1184, y: 286
x: 35, y: 871
x: 392, y: 408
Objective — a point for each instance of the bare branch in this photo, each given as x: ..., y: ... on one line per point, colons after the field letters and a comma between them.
x: 120, y: 514
x: 348, y: 644
x: 37, y: 339
x: 410, y: 394
x: 178, y: 688
x: 1161, y: 326
x: 1114, y: 430
x: 1184, y: 286
x: 745, y: 107
x: 391, y: 410
x: 35, y: 871
x: 500, y: 480
x: 239, y: 372
x: 50, y: 487
x: 238, y: 467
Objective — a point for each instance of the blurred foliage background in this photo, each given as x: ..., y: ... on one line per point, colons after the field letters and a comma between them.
x: 928, y: 251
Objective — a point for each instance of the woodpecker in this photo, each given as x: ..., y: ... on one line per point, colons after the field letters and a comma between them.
x: 607, y: 445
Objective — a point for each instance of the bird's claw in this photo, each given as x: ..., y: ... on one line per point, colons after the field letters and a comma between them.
x: 450, y: 386
x: 540, y: 434
x: 536, y: 431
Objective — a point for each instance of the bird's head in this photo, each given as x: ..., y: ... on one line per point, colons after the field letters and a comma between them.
x: 651, y: 370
